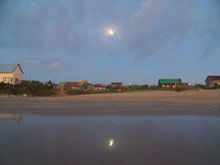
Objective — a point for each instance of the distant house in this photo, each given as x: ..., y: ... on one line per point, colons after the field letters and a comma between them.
x: 212, y: 81
x: 78, y: 85
x: 116, y: 85
x: 169, y: 83
x: 100, y: 87
x: 91, y: 87
x: 70, y: 85
x: 11, y: 73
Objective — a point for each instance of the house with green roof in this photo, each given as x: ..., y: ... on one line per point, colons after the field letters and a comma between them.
x: 169, y: 83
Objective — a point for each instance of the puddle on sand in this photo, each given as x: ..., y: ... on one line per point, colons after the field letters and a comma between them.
x: 110, y: 140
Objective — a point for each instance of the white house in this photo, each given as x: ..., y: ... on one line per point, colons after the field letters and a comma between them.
x: 11, y: 73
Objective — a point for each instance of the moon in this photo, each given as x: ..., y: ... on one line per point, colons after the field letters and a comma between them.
x: 109, y: 32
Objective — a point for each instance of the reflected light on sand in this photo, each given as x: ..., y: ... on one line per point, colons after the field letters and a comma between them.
x: 16, y: 117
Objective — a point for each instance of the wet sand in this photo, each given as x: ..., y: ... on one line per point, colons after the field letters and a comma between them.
x: 68, y: 140
x: 155, y: 127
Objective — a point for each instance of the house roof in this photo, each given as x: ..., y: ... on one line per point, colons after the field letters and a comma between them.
x: 213, y: 77
x: 71, y: 84
x: 100, y: 85
x: 116, y: 83
x: 8, y: 68
x: 170, y: 81
x: 75, y: 84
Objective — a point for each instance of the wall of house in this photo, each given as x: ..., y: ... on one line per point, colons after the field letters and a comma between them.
x: 216, y: 81
x: 208, y: 85
x: 211, y: 83
x: 165, y: 85
x: 17, y: 74
x: 100, y: 88
x: 168, y: 85
x: 2, y: 75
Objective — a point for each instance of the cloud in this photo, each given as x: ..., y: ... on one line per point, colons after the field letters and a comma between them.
x: 109, y: 72
x: 208, y: 28
x: 49, y: 30
x: 42, y: 27
x: 159, y: 24
x: 54, y: 66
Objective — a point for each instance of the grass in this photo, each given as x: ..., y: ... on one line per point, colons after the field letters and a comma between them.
x: 137, y: 88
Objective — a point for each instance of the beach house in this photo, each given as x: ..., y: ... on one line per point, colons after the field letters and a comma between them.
x: 212, y: 81
x: 100, y: 87
x: 116, y: 85
x: 11, y: 73
x: 169, y: 83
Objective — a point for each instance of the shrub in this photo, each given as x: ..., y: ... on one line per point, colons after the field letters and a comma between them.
x: 34, y: 88
x: 135, y: 87
x: 181, y: 88
x: 200, y: 86
x: 153, y: 87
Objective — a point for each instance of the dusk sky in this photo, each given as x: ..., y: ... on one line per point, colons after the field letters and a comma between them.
x: 136, y: 41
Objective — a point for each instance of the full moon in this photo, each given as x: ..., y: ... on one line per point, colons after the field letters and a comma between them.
x: 109, y: 32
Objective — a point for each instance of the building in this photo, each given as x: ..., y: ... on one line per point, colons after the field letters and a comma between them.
x: 69, y: 85
x: 116, y: 85
x: 78, y: 85
x: 212, y: 81
x: 11, y: 73
x: 169, y: 83
x: 100, y: 87
x: 91, y: 87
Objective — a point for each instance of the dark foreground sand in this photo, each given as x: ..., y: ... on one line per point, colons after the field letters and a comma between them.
x: 202, y: 102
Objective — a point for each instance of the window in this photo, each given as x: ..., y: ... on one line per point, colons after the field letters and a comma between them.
x: 7, y: 80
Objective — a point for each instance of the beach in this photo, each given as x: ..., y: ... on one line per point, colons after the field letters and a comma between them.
x: 191, y: 96
x: 161, y: 127
x: 202, y: 102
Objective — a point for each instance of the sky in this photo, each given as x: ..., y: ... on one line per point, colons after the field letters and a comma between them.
x: 102, y: 41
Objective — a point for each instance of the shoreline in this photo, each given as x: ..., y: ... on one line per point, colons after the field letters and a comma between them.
x: 94, y: 108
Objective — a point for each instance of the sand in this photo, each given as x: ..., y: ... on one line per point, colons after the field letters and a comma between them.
x: 202, y: 102
x: 192, y: 96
